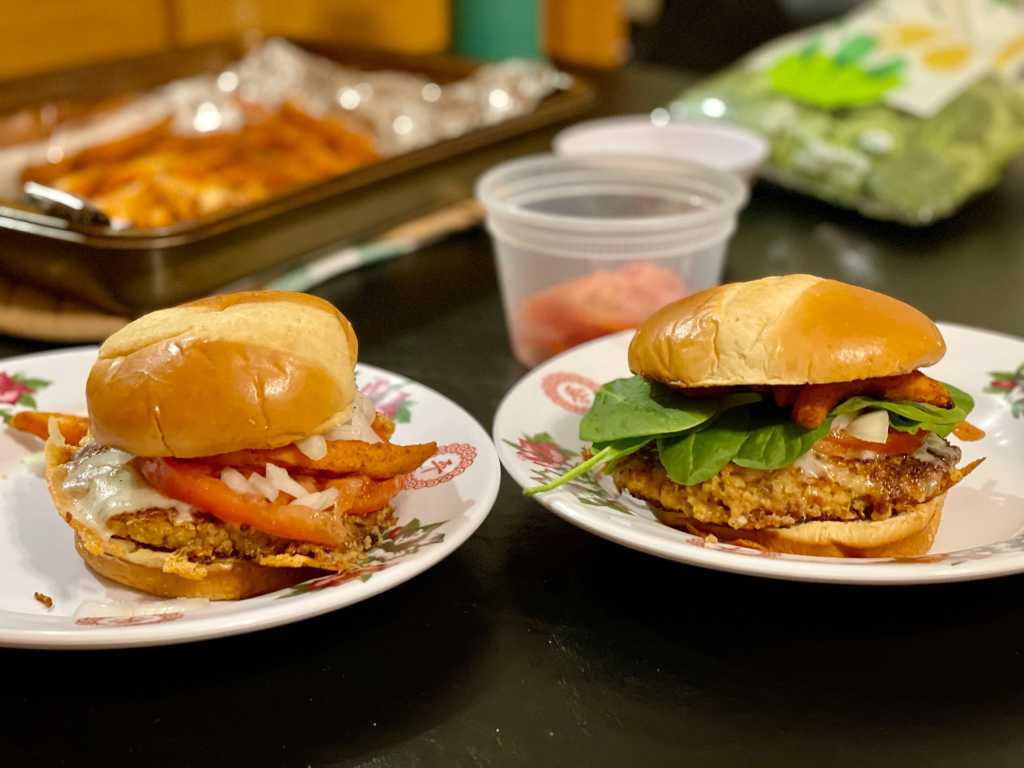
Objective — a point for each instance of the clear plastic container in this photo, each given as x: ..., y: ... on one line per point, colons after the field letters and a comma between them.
x: 593, y: 245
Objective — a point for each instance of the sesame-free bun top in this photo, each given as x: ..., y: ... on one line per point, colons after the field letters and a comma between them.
x: 249, y: 370
x: 796, y: 329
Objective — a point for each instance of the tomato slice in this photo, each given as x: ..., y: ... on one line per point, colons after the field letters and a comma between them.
x: 898, y: 443
x: 195, y: 483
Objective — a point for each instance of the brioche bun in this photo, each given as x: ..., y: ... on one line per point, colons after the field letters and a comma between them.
x: 250, y: 370
x: 907, y: 534
x: 796, y: 329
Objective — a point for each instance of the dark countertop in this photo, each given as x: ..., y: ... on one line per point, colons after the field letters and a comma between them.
x: 539, y: 643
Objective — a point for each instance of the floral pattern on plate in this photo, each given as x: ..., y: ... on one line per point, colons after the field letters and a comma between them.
x: 399, y: 542
x: 19, y: 389
x: 391, y: 396
x: 551, y: 460
x: 1009, y: 384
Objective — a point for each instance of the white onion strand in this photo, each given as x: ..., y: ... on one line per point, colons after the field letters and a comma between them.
x: 236, y: 481
x: 319, y: 501
x: 313, y: 447
x: 279, y: 477
x: 263, y: 486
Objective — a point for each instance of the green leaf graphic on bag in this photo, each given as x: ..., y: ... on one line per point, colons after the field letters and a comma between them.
x: 842, y: 80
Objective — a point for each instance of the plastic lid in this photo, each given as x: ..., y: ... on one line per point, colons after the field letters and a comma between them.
x: 715, y: 144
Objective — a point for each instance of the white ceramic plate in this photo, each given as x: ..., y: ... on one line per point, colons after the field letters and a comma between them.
x: 982, y: 531
x: 443, y: 504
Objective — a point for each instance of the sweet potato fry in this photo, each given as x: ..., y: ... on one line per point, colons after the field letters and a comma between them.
x: 785, y: 395
x: 37, y: 423
x: 156, y: 177
x: 344, y: 457
x: 383, y: 426
x: 915, y: 387
x: 815, y: 400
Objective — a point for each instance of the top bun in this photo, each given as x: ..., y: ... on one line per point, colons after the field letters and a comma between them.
x: 796, y: 329
x: 250, y: 370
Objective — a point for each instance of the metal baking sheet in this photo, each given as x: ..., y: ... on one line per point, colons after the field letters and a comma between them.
x: 137, y: 270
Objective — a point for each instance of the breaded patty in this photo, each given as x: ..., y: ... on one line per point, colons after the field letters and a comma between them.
x: 203, y: 538
x: 828, y: 488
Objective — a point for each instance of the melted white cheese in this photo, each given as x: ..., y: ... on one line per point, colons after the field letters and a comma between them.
x: 103, y: 484
x: 934, y: 450
x: 811, y: 464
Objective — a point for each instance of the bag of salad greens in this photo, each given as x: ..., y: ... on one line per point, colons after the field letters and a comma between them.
x: 903, y: 110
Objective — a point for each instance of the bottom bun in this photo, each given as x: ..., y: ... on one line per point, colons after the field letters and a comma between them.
x: 224, y: 579
x: 907, y: 534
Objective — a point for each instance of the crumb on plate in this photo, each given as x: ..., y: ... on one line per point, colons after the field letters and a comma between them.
x: 44, y: 599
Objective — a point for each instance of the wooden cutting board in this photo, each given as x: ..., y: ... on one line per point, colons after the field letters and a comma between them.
x: 29, y: 313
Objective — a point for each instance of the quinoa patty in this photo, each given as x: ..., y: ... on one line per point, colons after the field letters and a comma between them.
x: 202, y: 539
x: 831, y: 488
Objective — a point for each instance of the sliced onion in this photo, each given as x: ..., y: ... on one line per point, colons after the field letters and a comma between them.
x: 56, y: 436
x: 871, y: 427
x: 361, y: 432
x: 263, y: 486
x: 364, y: 406
x: 934, y: 449
x: 236, y: 481
x: 282, y: 481
x: 313, y: 447
x: 358, y: 422
x: 319, y: 500
x: 840, y: 422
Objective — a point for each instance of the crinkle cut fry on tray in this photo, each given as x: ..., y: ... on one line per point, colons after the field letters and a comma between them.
x: 156, y: 178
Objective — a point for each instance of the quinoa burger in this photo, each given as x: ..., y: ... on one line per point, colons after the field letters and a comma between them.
x: 787, y: 414
x: 227, y: 452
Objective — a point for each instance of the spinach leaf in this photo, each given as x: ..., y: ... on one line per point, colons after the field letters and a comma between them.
x: 961, y: 399
x: 911, y: 417
x: 612, y: 452
x: 774, y: 441
x: 702, y: 453
x: 636, y: 407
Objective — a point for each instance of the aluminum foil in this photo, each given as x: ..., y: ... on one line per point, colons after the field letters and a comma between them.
x: 402, y: 110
